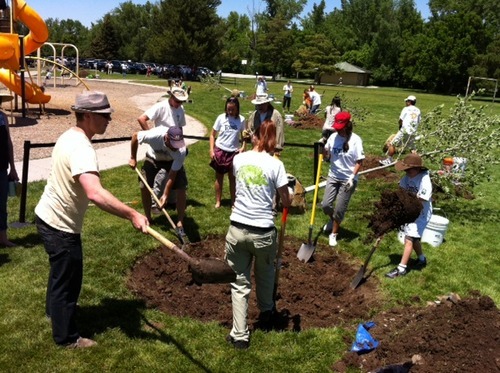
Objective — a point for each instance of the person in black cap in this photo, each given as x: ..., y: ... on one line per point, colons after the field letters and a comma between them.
x: 167, y: 151
x: 74, y: 181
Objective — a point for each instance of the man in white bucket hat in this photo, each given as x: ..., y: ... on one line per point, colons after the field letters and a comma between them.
x: 74, y: 181
x: 418, y: 181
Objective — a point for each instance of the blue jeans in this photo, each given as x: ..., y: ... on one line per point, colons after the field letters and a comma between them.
x: 65, y: 280
x: 4, y: 189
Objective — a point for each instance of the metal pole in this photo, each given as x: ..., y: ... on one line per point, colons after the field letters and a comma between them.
x: 21, y: 68
x: 24, y: 180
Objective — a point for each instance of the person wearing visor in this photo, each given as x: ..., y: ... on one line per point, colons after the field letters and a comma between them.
x: 166, y: 153
x: 345, y: 151
x: 74, y: 181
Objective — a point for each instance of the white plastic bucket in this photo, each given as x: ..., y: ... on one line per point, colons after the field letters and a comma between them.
x: 433, y: 233
x: 435, y: 230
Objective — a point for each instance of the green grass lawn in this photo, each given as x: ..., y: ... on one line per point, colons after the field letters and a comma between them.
x: 133, y: 338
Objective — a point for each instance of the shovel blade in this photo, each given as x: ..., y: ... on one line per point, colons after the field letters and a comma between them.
x: 211, y: 271
x: 359, y: 277
x: 305, y: 252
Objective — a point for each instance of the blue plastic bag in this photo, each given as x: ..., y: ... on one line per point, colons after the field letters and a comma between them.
x: 364, y: 341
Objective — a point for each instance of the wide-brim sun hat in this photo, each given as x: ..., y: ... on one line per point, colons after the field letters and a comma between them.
x: 92, y: 102
x: 261, y: 99
x: 5, y: 97
x: 179, y: 94
x: 341, y: 120
x: 412, y: 160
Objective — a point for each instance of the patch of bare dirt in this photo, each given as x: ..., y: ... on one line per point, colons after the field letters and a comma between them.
x: 163, y: 280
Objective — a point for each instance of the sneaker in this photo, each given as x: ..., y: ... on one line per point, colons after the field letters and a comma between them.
x: 385, y: 162
x: 332, y: 239
x: 421, y: 264
x: 396, y: 273
x: 155, y: 210
x: 327, y: 228
x: 82, y: 343
x: 239, y: 345
x: 266, y: 320
x: 180, y: 232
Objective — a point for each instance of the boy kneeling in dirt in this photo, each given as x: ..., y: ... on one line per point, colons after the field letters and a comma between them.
x: 418, y: 181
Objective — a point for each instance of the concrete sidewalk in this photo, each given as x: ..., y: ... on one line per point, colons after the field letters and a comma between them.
x: 108, y: 157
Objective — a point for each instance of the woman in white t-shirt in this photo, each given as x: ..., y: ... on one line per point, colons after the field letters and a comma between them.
x: 330, y: 112
x: 224, y: 145
x: 345, y: 151
x: 252, y: 235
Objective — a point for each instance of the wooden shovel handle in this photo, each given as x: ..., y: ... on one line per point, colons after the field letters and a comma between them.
x: 170, y: 245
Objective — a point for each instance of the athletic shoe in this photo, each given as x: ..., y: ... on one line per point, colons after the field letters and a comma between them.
x: 327, y: 228
x: 385, y: 162
x: 239, y: 345
x: 180, y: 232
x: 332, y: 239
x: 82, y: 343
x: 396, y: 273
x: 421, y: 264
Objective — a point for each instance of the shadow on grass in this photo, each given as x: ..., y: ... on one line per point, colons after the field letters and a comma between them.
x: 4, y: 259
x: 28, y: 241
x: 127, y: 316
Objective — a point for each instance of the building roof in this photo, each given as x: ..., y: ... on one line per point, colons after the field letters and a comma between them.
x: 349, y: 68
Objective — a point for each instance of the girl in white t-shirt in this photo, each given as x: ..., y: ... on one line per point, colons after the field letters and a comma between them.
x: 224, y: 145
x: 331, y: 110
x: 345, y: 150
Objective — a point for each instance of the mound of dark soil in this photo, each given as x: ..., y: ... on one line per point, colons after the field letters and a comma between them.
x: 454, y: 336
x: 316, y: 294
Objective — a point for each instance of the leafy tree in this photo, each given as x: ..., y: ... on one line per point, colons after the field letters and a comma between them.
x: 236, y: 43
x: 105, y: 42
x: 185, y: 32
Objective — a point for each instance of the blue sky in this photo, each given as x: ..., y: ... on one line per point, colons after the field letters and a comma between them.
x: 91, y: 11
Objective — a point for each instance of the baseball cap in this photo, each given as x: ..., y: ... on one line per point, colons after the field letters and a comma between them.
x: 410, y: 98
x: 176, y: 137
x: 341, y: 120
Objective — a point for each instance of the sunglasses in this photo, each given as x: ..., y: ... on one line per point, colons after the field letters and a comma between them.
x: 105, y: 115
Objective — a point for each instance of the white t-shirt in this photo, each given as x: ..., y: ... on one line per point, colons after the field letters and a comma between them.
x: 162, y: 114
x: 64, y: 202
x: 258, y: 176
x: 288, y: 90
x: 229, y: 129
x: 154, y: 137
x: 410, y: 116
x: 315, y: 97
x: 261, y: 88
x: 342, y: 164
x: 330, y: 111
x: 421, y: 185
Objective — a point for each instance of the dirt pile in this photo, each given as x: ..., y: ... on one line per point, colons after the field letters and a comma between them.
x: 449, y: 335
x: 395, y: 208
x: 163, y: 281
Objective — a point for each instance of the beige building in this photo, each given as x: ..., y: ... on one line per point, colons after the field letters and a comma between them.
x: 347, y: 74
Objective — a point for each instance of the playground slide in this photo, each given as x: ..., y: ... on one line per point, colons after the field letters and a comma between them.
x: 37, y: 36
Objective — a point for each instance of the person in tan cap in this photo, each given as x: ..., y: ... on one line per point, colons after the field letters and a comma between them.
x: 74, y: 181
x: 418, y: 181
x: 6, y: 164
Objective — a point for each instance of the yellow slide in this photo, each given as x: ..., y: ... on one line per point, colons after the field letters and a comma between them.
x: 10, y: 52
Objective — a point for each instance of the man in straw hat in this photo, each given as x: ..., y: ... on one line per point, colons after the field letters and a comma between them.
x: 6, y: 164
x: 265, y: 111
x: 168, y: 113
x: 73, y: 182
x: 418, y: 181
x: 409, y: 119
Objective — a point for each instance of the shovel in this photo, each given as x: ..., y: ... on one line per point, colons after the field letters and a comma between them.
x: 280, y: 253
x: 204, y: 271
x: 172, y: 224
x: 307, y: 249
x: 359, y: 276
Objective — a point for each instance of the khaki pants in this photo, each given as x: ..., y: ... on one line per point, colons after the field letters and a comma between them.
x: 242, y: 246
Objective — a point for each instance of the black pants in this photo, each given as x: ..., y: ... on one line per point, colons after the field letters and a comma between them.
x: 65, y: 280
x: 286, y: 102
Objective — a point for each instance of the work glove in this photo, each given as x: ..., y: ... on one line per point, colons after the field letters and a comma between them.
x: 349, y: 183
